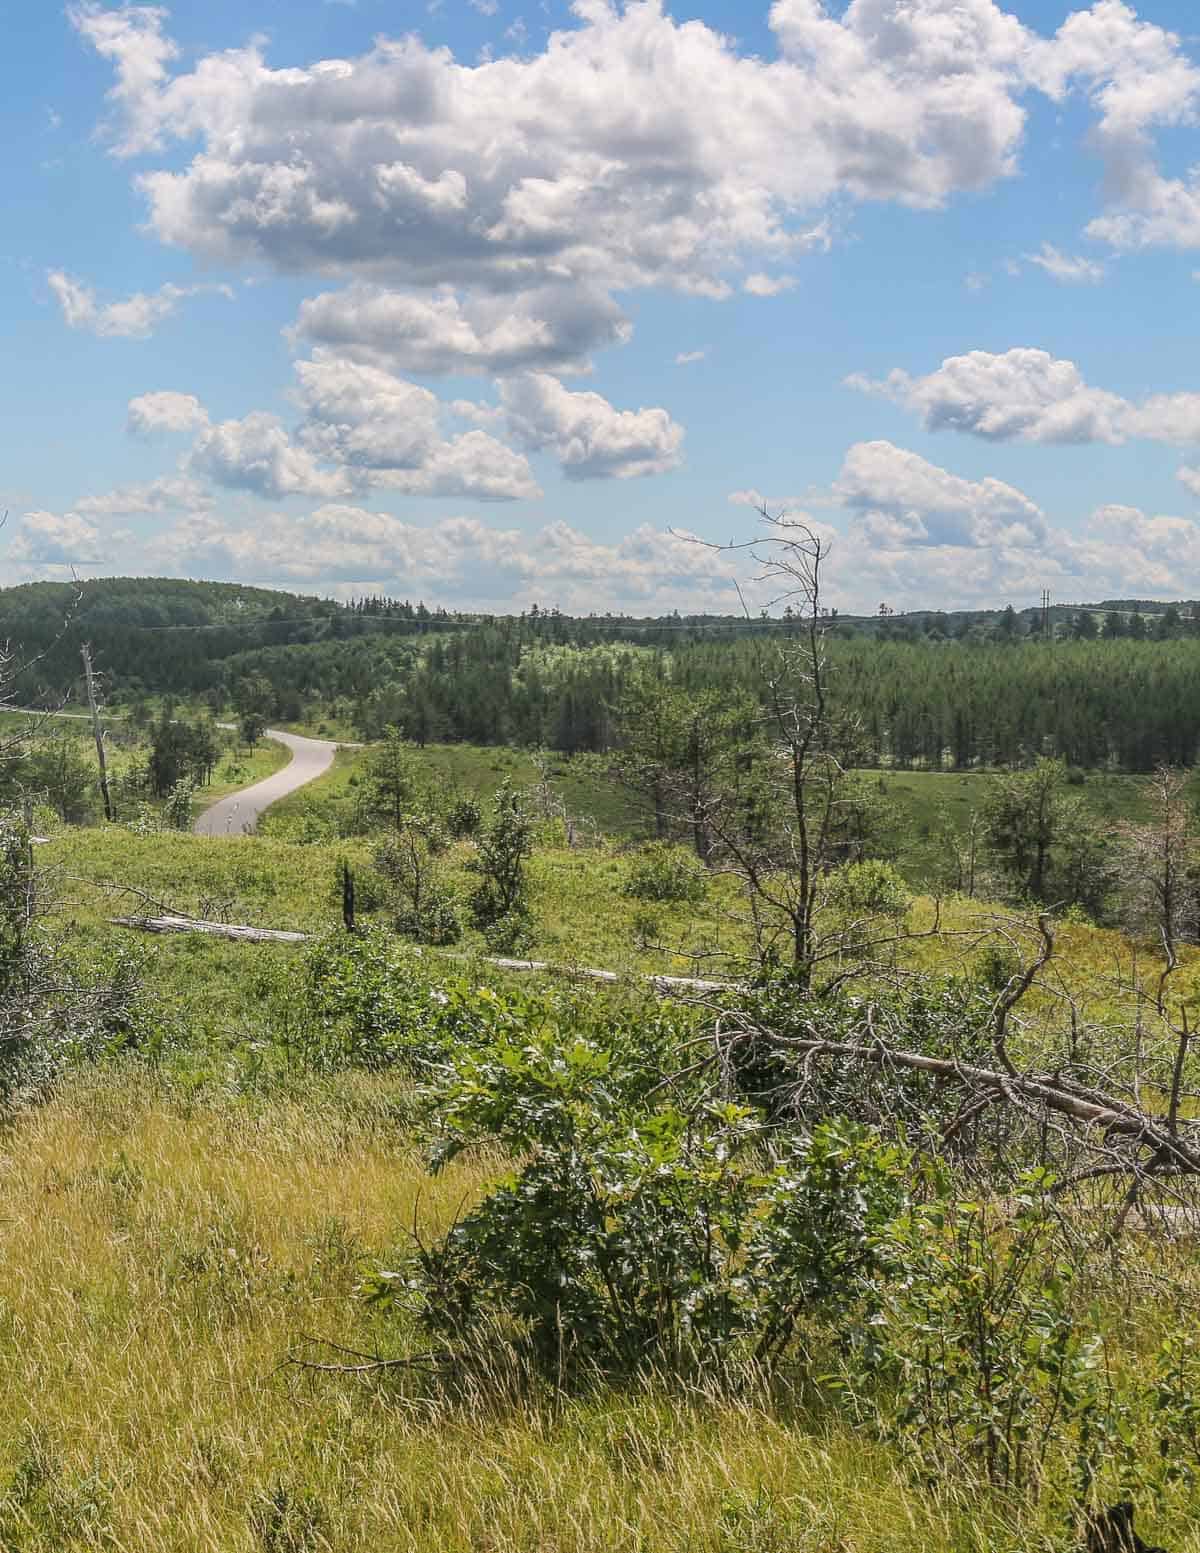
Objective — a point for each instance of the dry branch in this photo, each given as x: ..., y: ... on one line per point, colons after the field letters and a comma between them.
x: 1171, y: 1154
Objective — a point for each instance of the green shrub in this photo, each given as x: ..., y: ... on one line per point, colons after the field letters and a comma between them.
x: 664, y: 873
x: 637, y: 1232
x: 367, y: 1002
x: 177, y: 807
x: 424, y: 907
x: 994, y: 966
x: 500, y: 901
x: 463, y: 817
x: 868, y: 889
x: 995, y: 1373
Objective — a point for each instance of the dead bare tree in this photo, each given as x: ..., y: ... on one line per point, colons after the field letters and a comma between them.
x: 1160, y: 860
x: 1116, y: 1129
x: 48, y: 1012
x: 782, y: 814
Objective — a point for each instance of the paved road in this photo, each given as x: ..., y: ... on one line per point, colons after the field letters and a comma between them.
x: 238, y: 813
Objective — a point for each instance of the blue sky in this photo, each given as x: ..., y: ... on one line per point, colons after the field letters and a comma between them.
x: 485, y: 301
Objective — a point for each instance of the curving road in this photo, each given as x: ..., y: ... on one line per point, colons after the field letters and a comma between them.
x: 239, y: 812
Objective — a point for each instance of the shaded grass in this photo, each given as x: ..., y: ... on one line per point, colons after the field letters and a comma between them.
x: 921, y: 800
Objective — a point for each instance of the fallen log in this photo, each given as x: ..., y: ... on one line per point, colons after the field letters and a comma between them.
x: 666, y: 985
x: 243, y: 935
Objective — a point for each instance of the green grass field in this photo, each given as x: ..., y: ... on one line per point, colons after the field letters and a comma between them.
x: 589, y: 795
x: 178, y: 1224
x: 162, y: 1256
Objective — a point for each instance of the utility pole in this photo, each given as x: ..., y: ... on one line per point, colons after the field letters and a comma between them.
x: 97, y: 731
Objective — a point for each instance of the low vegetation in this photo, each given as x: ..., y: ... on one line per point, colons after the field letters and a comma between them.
x: 877, y: 1235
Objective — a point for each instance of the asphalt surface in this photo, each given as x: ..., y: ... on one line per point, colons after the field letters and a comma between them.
x: 239, y: 813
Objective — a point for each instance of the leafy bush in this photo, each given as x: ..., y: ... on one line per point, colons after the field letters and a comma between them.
x: 58, y: 768
x: 510, y: 934
x: 366, y: 1002
x: 290, y: 1521
x: 665, y: 873
x: 637, y: 1231
x: 994, y: 966
x: 463, y: 817
x: 868, y: 889
x: 994, y: 1372
x: 177, y: 810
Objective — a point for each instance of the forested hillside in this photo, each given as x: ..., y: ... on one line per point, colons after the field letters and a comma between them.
x: 1112, y: 687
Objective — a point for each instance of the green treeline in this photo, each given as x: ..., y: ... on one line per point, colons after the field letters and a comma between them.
x: 1119, y: 704
x: 1116, y: 688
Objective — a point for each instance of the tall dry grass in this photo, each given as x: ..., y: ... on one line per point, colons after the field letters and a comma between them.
x: 161, y: 1254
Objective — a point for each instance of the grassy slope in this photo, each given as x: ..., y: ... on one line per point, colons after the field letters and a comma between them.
x: 918, y: 797
x: 163, y: 1255
x: 169, y: 1242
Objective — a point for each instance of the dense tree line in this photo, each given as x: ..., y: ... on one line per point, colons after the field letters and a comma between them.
x: 1104, y: 702
x: 1110, y: 687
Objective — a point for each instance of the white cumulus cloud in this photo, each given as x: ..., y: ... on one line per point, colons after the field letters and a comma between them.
x: 553, y: 326
x: 165, y: 411
x: 899, y: 496
x: 360, y: 428
x: 55, y: 539
x: 591, y: 439
x: 256, y: 454
x: 1027, y: 395
x: 760, y: 285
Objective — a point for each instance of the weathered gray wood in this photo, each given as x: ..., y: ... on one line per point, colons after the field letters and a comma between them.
x: 663, y: 983
x: 245, y: 935
x: 260, y: 935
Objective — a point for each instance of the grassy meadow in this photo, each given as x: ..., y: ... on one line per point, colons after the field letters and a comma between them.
x: 163, y: 1255
x: 181, y: 1222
